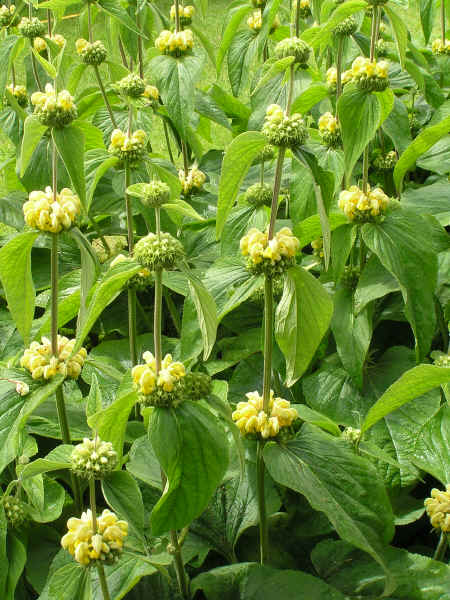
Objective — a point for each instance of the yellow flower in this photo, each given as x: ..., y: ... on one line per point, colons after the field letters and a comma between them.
x: 80, y: 45
x: 151, y: 92
x: 39, y: 44
x: 47, y: 213
x: 360, y: 206
x: 59, y: 40
x: 327, y: 122
x: 87, y: 546
x: 332, y: 76
x: 250, y: 416
x: 255, y: 20
x: 146, y: 380
x: 438, y: 508
x: 194, y: 180
x: 38, y: 359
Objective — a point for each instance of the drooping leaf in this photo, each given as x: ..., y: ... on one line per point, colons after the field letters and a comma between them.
x: 32, y: 133
x: 123, y: 495
x: 70, y: 145
x: 193, y: 451
x: 302, y: 318
x: 17, y: 281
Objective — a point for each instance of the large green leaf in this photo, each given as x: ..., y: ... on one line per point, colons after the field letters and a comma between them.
x: 400, y: 32
x: 32, y: 133
x: 241, y: 56
x: 417, y: 577
x: 57, y: 459
x: 176, y: 79
x: 359, y: 116
x: 423, y: 142
x: 237, y: 160
x: 315, y: 36
x: 13, y: 420
x: 236, y: 16
x: 7, y: 46
x: 206, y: 313
x: 352, y: 333
x: 116, y: 10
x: 302, y: 318
x: 17, y: 557
x: 309, y: 98
x: 123, y: 495
x: 122, y: 576
x: 192, y: 448
x: 68, y: 582
x: 70, y: 144
x: 350, y: 493
x: 411, y: 384
x: 432, y: 449
x: 402, y: 243
x: 426, y: 8
x: 396, y: 126
x: 15, y: 275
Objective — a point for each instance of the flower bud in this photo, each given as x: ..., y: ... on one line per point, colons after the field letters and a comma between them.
x: 371, y: 76
x: 8, y: 16
x: 20, y: 94
x: 115, y: 243
x: 440, y: 48
x: 14, y: 511
x: 193, y: 181
x: 385, y: 162
x: 317, y: 248
x: 131, y: 85
x: 441, y: 359
x: 283, y: 130
x: 259, y: 195
x: 351, y: 435
x: 161, y: 251
x: 93, y: 459
x: 91, y: 53
x: 185, y: 14
x: 163, y: 388
x: 253, y: 422
x: 176, y: 44
x: 130, y: 150
x: 295, y: 47
x: 54, y: 110
x: 197, y: 386
x: 156, y: 193
x: 346, y: 27
x: 31, y: 28
x: 38, y: 359
x: 151, y: 93
x: 329, y: 130
x: 22, y: 388
x: 40, y: 45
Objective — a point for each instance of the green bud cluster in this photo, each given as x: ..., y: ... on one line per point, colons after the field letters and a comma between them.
x: 351, y: 435
x: 115, y: 243
x: 267, y: 153
x: 156, y: 194
x: 441, y: 359
x: 346, y: 27
x: 14, y: 511
x: 305, y: 9
x: 277, y: 290
x: 381, y: 47
x: 372, y: 84
x: 8, y: 16
x: 385, y: 162
x: 258, y: 195
x: 132, y: 85
x: 270, y: 269
x: 295, y: 47
x: 377, y: 2
x: 93, y: 459
x: 414, y: 123
x: 31, y: 28
x: 283, y: 130
x: 161, y: 251
x: 93, y: 53
x: 350, y: 277
x: 331, y: 139
x: 197, y: 386
x: 163, y: 399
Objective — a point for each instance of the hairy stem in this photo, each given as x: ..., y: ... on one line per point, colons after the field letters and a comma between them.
x: 140, y: 46
x: 268, y: 340
x: 105, y: 97
x: 276, y: 190
x: 441, y: 548
x: 91, y: 36
x: 297, y: 18
x: 185, y: 157
x: 443, y: 21
x: 177, y: 16
x: 340, y: 48
x: 166, y: 135
x: 123, y: 56
x: 35, y: 72
x: 261, y: 174
x: 179, y: 567
x: 49, y: 22
x: 263, y: 527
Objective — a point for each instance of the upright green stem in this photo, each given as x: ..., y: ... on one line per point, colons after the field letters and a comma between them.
x: 297, y: 19
x: 185, y: 157
x: 100, y: 569
x: 340, y: 48
x: 373, y: 39
x: 443, y: 21
x: 91, y: 37
x: 105, y: 97
x: 140, y: 46
x: 179, y: 567
x: 365, y: 180
x: 35, y: 72
x: 268, y: 340
x: 123, y: 56
x: 166, y: 135
x: 131, y: 292
x: 177, y: 16
x: 261, y: 174
x: 49, y: 23
x: 276, y: 190
x: 263, y: 526
x: 441, y: 547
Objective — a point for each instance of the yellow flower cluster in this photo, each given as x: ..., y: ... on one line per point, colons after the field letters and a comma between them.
x: 7, y: 15
x: 194, y: 180
x: 151, y: 93
x: 282, y: 129
x: 438, y: 47
x: 87, y: 546
x: 40, y: 45
x: 20, y: 94
x: 91, y: 53
x: 176, y: 43
x: 305, y: 9
x: 346, y: 77
x: 185, y: 12
x: 146, y: 380
x: 438, y: 508
x: 54, y: 109
x: 317, y: 247
x: 128, y: 148
x: 328, y: 122
x: 255, y: 21
x: 140, y: 280
x: 41, y: 363
x: 329, y: 129
x: 47, y: 213
x: 370, y: 75
x: 272, y: 257
x: 360, y: 206
x: 251, y: 418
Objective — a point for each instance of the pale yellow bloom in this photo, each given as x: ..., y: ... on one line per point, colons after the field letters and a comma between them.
x: 250, y: 417
x: 438, y: 508
x: 38, y: 359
